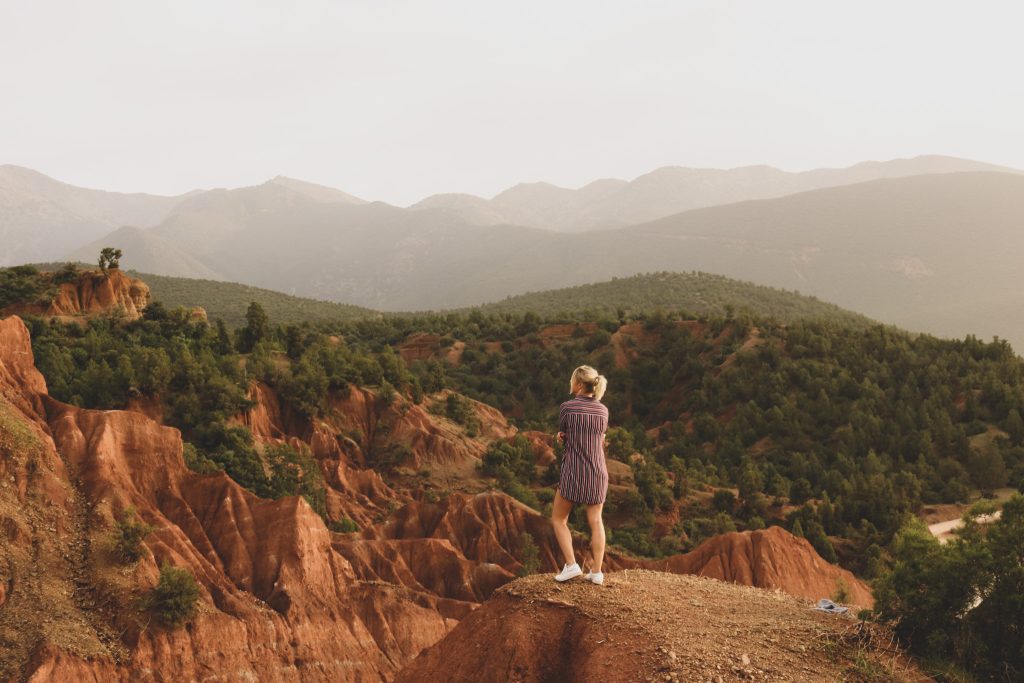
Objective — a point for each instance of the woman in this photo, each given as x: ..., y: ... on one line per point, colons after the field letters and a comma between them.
x: 582, y: 422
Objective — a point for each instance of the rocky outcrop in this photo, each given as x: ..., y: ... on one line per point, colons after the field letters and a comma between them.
x: 426, y: 346
x: 94, y: 293
x: 278, y: 602
x: 770, y: 558
x: 488, y: 527
x: 646, y: 626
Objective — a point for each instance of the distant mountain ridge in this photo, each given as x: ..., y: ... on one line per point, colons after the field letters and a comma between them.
x: 43, y: 219
x: 611, y: 203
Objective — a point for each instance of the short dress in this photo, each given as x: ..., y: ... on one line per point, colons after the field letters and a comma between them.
x: 584, y: 477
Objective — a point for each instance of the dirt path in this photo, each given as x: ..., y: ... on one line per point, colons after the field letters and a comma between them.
x: 944, y: 531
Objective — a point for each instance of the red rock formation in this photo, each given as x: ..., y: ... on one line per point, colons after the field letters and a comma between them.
x: 769, y: 558
x: 424, y: 346
x: 486, y: 527
x: 419, y: 346
x: 543, y: 444
x: 95, y: 293
x: 277, y: 601
x: 410, y: 435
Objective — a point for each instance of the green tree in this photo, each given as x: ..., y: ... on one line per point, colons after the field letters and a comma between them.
x: 110, y: 258
x: 257, y: 328
x: 987, y: 468
x: 798, y: 529
x: 963, y: 600
x: 724, y: 500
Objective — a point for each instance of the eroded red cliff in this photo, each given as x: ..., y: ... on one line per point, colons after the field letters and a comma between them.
x: 93, y: 293
x: 278, y: 602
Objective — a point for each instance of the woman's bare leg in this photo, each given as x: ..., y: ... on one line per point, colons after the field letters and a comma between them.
x: 596, y: 536
x: 560, y: 523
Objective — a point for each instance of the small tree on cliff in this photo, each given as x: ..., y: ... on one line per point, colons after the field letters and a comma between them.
x: 109, y: 258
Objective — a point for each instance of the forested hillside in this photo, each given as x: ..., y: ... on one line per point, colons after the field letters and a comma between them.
x: 718, y: 423
x: 864, y: 425
x: 696, y: 293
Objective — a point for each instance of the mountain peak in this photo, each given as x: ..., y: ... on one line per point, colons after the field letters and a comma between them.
x: 321, y: 193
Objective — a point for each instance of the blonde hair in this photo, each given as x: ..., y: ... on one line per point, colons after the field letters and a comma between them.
x: 590, y: 380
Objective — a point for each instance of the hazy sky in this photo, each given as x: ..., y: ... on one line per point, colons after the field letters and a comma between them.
x: 398, y: 100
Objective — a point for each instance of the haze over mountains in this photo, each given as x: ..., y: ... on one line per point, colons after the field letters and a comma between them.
x: 613, y: 203
x: 929, y: 244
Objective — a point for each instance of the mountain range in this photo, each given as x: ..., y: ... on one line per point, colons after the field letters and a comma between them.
x: 928, y: 243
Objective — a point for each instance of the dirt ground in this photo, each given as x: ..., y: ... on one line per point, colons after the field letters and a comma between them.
x: 652, y: 626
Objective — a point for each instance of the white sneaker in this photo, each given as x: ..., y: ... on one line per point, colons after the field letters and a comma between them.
x: 569, y: 571
x: 597, y: 578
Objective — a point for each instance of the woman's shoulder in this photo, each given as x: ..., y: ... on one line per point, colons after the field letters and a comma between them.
x: 583, y: 403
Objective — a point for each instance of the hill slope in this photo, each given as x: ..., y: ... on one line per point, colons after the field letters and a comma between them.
x: 229, y: 301
x: 936, y: 253
x: 697, y: 293
x: 651, y: 626
x: 43, y: 219
x: 669, y: 190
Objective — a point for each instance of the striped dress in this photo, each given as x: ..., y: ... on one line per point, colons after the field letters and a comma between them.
x: 584, y: 478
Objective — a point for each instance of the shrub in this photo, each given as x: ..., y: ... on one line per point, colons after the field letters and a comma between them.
x: 458, y: 409
x: 842, y: 594
x: 295, y: 472
x: 724, y: 500
x: 22, y: 284
x: 529, y: 555
x: 175, y: 596
x: 345, y: 525
x: 515, y: 457
x: 127, y: 537
x: 197, y: 461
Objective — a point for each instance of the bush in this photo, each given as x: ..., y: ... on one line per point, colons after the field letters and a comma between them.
x: 23, y: 285
x: 175, y: 596
x: 515, y: 457
x: 296, y: 472
x: 345, y: 525
x: 458, y: 409
x: 529, y: 555
x: 127, y: 537
x: 724, y: 500
x: 196, y: 461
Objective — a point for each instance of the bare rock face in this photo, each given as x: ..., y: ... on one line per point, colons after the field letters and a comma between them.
x: 407, y: 434
x: 95, y: 293
x: 769, y: 558
x: 278, y: 602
